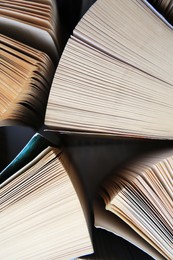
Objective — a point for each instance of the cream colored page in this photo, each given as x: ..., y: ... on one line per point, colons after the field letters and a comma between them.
x: 106, y: 220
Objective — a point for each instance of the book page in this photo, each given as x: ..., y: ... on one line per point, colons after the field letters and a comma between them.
x: 106, y: 220
x: 138, y: 194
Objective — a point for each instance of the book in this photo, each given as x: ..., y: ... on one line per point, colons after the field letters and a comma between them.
x: 138, y: 203
x: 41, y: 214
x: 26, y: 78
x: 115, y: 74
x: 30, y: 40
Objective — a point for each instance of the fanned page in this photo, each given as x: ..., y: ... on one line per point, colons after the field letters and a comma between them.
x: 115, y: 74
x: 141, y: 195
x: 25, y: 81
x: 41, y: 214
x: 106, y: 220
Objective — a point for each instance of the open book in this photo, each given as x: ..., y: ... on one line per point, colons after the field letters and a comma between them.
x: 30, y: 42
x: 25, y: 83
x: 139, y: 195
x: 115, y: 74
x: 42, y: 206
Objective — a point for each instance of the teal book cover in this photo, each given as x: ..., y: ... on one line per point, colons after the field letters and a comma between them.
x: 36, y: 145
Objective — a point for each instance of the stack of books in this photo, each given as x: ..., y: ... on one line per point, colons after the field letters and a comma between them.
x: 95, y: 180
